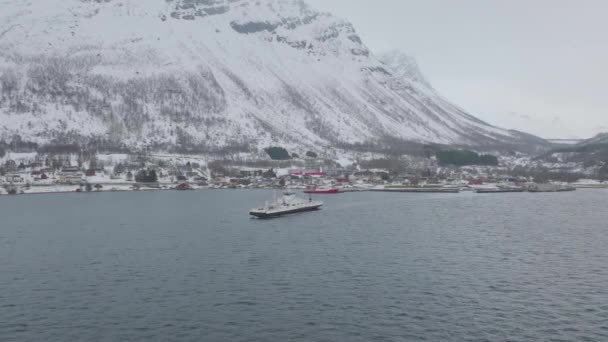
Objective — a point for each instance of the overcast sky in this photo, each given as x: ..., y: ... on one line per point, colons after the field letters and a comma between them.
x: 539, y: 66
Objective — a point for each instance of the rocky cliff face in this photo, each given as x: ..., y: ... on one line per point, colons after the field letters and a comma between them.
x: 213, y: 74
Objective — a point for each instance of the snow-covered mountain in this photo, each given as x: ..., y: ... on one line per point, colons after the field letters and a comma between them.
x: 587, y: 154
x: 600, y: 139
x: 212, y: 74
x: 405, y: 67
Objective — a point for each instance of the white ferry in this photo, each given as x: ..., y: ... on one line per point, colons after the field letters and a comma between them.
x: 286, y: 205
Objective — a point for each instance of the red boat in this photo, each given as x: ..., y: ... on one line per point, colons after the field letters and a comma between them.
x: 322, y: 191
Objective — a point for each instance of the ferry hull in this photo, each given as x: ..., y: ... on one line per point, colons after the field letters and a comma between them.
x: 420, y: 190
x: 498, y: 191
x: 267, y: 215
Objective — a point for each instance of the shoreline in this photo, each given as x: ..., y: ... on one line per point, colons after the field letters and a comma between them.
x: 143, y: 189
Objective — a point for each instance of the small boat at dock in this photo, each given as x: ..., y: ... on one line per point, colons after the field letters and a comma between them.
x: 444, y: 190
x: 499, y: 190
x: 550, y: 188
x: 591, y: 185
x: 286, y: 205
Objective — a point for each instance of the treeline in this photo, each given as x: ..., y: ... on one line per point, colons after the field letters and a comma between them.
x: 68, y: 143
x: 144, y: 176
x: 75, y: 144
x: 391, y: 146
x: 602, y: 173
x: 544, y: 175
x: 190, y: 98
x: 277, y: 153
x: 16, y: 144
x: 465, y: 158
x: 393, y: 165
x: 280, y: 153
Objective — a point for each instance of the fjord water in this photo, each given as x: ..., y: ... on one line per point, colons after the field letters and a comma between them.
x: 192, y: 266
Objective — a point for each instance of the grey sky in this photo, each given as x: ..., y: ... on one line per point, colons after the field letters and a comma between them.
x: 536, y: 65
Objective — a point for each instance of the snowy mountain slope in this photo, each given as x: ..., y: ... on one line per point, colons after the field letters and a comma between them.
x: 405, y: 67
x: 588, y: 153
x: 599, y: 139
x: 212, y: 74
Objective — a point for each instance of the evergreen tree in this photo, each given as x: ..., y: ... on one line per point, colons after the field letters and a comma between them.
x: 152, y: 177
x: 277, y: 153
x: 141, y: 176
x: 144, y: 176
x: 464, y: 158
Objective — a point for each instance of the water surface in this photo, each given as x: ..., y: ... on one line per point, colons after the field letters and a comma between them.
x: 192, y: 266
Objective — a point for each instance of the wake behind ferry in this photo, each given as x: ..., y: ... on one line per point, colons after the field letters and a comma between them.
x: 288, y: 204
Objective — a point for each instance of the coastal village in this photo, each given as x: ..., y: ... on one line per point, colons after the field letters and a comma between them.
x: 32, y: 173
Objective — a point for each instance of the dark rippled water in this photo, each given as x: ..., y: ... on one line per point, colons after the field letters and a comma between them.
x: 168, y: 266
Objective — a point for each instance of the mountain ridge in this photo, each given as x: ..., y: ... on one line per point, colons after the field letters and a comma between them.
x: 601, y: 138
